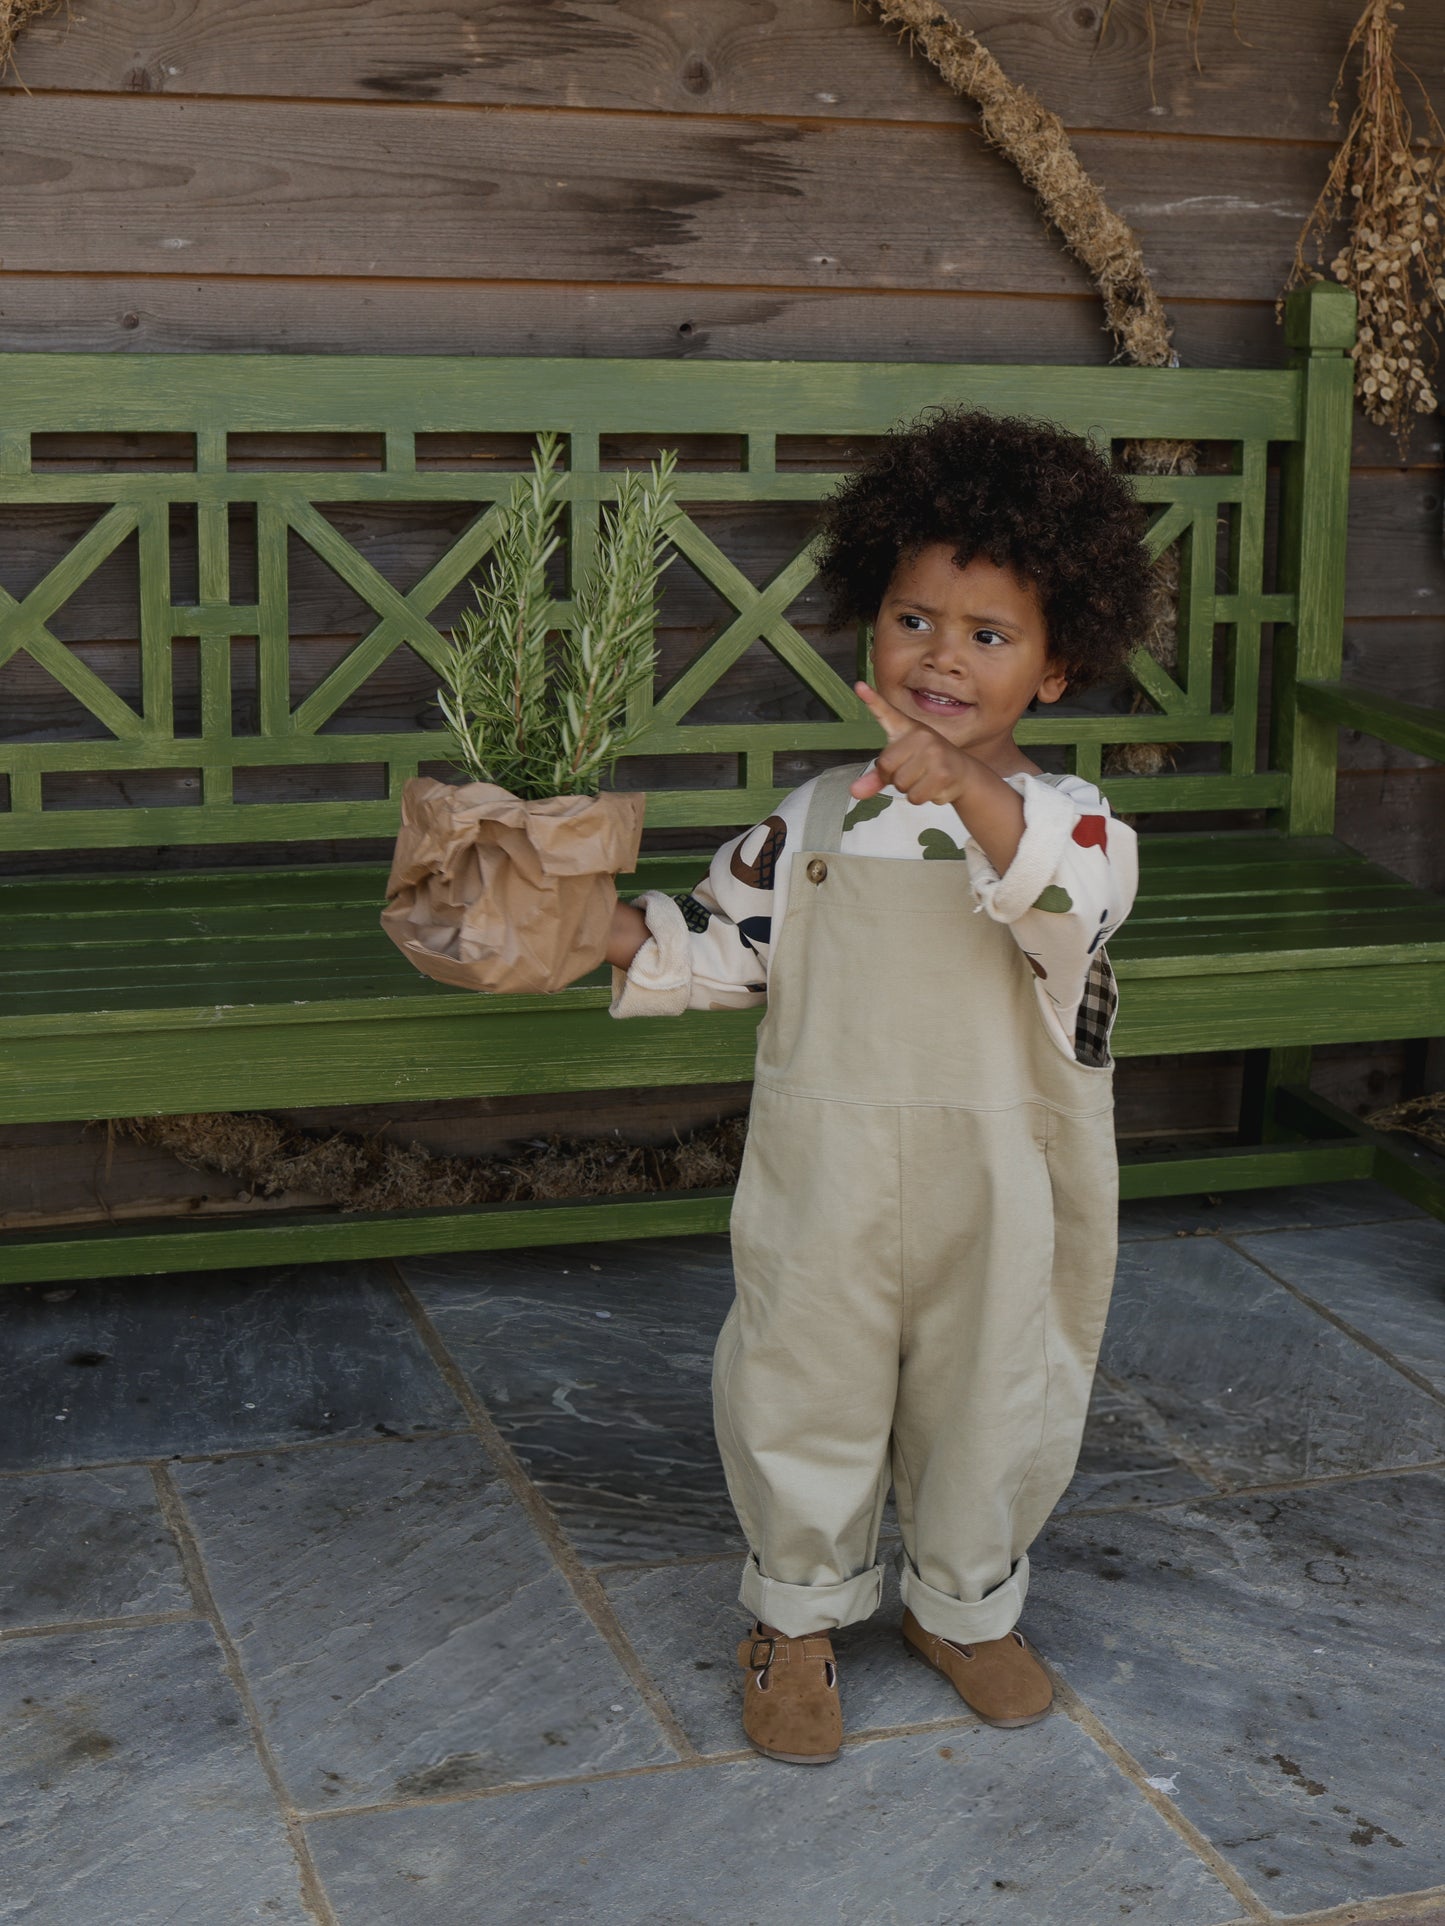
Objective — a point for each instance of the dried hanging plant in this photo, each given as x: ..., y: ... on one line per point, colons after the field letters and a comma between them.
x: 1036, y: 142
x: 1387, y: 187
x: 15, y: 17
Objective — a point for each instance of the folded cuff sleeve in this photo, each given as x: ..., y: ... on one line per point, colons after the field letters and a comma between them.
x: 1049, y: 819
x: 659, y: 982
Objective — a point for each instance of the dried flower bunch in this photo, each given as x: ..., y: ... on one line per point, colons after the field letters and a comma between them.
x: 538, y: 708
x: 1387, y: 187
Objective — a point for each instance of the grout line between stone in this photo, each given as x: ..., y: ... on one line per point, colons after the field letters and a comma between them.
x: 259, y: 1450
x: 612, y: 1567
x: 1373, y: 1345
x: 1262, y: 1230
x: 1152, y: 1422
x: 124, y: 1622
x: 313, y: 1894
x: 585, y: 1587
x: 1424, y: 1905
x: 744, y: 1755
x: 1089, y: 1722
x: 1217, y: 1496
x: 476, y: 1795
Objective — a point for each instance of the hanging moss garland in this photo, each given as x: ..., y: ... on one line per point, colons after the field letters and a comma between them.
x: 1035, y: 141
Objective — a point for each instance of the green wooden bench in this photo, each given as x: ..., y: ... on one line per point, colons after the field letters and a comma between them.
x: 222, y: 988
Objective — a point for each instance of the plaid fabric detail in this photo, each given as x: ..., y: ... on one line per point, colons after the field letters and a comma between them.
x: 1096, y: 1014
x: 694, y: 914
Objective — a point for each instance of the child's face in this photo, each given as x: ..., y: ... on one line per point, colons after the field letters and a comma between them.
x: 963, y: 649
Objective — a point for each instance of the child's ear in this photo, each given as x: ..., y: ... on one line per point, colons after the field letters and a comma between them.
x: 1054, y: 684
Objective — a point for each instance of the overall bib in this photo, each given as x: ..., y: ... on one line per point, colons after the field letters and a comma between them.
x: 924, y: 1238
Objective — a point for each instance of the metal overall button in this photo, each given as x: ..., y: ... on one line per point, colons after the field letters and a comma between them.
x: 817, y: 871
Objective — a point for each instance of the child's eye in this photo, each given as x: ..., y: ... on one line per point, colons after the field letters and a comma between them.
x: 988, y: 637
x: 909, y: 622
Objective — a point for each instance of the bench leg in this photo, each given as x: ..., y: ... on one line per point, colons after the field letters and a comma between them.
x: 1411, y: 1170
x: 1265, y: 1071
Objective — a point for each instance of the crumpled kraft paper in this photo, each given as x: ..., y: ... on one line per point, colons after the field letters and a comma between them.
x: 488, y: 892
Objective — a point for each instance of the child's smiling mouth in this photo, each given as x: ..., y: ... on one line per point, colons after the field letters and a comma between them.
x: 936, y: 703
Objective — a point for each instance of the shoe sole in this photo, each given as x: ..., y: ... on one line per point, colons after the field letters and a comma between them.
x: 795, y: 1758
x: 1003, y: 1725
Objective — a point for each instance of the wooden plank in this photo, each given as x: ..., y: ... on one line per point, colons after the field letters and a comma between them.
x: 50, y: 1256
x: 133, y: 1249
x: 1409, y: 725
x: 161, y: 1071
x: 167, y: 313
x: 1396, y: 657
x: 157, y: 394
x: 1394, y: 816
x: 1314, y: 507
x: 532, y: 195
x: 1340, y: 1004
x: 715, y: 57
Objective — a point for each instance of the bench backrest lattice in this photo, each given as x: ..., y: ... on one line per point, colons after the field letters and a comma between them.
x: 157, y: 745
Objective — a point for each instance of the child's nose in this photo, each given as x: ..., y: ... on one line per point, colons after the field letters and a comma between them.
x: 948, y: 650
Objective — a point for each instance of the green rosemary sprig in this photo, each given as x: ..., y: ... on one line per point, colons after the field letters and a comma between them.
x: 495, y: 701
x: 543, y: 716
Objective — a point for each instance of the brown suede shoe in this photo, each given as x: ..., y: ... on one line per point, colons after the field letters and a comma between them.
x: 999, y: 1678
x: 790, y: 1698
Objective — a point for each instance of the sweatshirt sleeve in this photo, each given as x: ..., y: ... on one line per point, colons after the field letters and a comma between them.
x: 709, y: 949
x: 1070, y: 885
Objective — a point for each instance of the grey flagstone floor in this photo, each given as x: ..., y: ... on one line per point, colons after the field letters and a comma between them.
x: 379, y: 1593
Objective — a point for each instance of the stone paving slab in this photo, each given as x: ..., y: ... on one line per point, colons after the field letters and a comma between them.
x: 403, y: 1629
x: 130, y: 1788
x: 1359, y: 1202
x: 153, y: 1366
x: 597, y: 1370
x: 1387, y: 1281
x: 685, y: 1621
x: 970, y: 1827
x: 1124, y: 1459
x: 1278, y: 1660
x: 1252, y: 1382
x: 595, y: 1363
x: 85, y: 1544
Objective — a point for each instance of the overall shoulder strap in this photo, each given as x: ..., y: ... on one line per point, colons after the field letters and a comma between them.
x: 827, y: 806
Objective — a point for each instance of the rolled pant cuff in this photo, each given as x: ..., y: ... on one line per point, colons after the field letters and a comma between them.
x: 992, y: 1616
x: 797, y: 1610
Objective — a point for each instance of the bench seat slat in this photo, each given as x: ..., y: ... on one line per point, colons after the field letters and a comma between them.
x: 228, y: 947
x: 30, y: 944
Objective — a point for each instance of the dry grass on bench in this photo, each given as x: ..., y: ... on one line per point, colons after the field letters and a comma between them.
x: 354, y: 1173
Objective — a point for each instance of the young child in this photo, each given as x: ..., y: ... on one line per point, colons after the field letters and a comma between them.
x: 925, y: 1225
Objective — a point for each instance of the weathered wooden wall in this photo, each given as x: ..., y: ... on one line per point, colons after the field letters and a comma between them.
x: 746, y: 178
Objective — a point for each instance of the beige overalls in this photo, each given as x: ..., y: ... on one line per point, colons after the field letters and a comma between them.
x: 924, y: 1238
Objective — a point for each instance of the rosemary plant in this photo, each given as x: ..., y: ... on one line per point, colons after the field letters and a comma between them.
x: 541, y: 709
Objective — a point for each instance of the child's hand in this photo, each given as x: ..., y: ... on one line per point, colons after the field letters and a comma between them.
x: 917, y: 760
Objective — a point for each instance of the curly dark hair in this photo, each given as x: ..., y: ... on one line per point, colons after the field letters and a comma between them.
x: 1021, y: 494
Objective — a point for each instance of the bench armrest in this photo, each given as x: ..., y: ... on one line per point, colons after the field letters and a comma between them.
x: 1408, y: 725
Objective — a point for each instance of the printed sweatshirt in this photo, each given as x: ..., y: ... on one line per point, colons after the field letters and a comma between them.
x: 1070, y: 885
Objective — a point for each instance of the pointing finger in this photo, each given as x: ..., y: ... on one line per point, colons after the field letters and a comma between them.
x: 888, y: 718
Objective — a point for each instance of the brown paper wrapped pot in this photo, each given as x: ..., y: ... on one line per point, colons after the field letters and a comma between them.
x: 488, y: 892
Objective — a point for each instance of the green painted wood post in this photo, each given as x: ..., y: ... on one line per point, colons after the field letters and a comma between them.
x: 1314, y: 512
